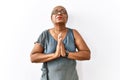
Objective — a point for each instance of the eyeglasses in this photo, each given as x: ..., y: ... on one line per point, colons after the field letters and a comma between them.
x: 60, y: 12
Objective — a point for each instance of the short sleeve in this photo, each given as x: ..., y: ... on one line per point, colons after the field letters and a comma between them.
x: 41, y: 39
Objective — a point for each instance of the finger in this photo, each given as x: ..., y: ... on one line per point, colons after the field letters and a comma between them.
x: 63, y: 50
x: 60, y: 35
x: 60, y: 40
x: 59, y: 43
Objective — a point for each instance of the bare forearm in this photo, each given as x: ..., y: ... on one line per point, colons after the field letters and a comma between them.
x: 39, y: 58
x: 80, y: 55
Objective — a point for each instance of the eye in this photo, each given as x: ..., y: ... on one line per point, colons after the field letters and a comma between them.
x: 63, y: 11
x: 55, y: 12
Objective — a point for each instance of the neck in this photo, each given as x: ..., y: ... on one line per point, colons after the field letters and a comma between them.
x: 59, y: 27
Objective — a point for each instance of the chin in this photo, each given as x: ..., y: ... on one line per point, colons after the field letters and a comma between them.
x: 60, y: 22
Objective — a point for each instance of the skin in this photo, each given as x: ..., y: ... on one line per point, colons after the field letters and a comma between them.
x: 59, y: 32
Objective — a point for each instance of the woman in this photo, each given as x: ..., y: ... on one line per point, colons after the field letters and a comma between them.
x: 56, y: 49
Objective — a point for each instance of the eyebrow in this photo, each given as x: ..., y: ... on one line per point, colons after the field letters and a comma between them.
x: 58, y: 10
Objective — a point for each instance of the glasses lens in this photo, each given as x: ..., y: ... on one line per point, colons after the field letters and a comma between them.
x: 61, y: 11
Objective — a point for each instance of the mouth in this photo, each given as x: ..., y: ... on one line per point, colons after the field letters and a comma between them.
x: 59, y: 17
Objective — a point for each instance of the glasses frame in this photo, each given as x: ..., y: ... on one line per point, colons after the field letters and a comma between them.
x: 54, y: 12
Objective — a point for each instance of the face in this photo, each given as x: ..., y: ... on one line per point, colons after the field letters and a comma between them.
x: 59, y: 15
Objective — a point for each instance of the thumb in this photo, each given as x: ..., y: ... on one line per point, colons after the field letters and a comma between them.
x: 59, y: 35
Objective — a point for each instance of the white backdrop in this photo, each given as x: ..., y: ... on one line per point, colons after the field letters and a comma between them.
x: 21, y: 22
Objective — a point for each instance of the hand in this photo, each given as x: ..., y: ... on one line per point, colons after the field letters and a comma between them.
x: 63, y: 53
x: 58, y: 48
x: 62, y: 48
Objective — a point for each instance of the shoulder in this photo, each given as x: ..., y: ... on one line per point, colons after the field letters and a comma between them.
x: 76, y: 34
x: 75, y: 31
x: 45, y: 31
x: 43, y: 35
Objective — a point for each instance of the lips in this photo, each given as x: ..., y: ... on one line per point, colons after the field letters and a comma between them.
x: 59, y: 17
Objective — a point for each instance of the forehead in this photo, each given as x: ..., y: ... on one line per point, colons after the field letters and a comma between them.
x: 59, y: 8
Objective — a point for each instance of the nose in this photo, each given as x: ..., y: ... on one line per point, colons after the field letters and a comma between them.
x: 59, y: 12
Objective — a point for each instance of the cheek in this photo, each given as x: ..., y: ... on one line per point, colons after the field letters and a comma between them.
x: 66, y: 18
x: 53, y: 18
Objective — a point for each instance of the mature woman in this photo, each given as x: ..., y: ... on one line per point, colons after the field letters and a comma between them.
x: 56, y: 49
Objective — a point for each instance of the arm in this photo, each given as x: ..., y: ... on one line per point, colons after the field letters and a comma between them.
x: 37, y: 54
x: 83, y: 50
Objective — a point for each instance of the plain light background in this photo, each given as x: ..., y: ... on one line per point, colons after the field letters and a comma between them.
x: 22, y: 21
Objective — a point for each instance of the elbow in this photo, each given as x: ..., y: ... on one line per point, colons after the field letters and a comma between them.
x: 85, y: 56
x: 88, y: 56
x: 35, y: 59
x: 32, y: 59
